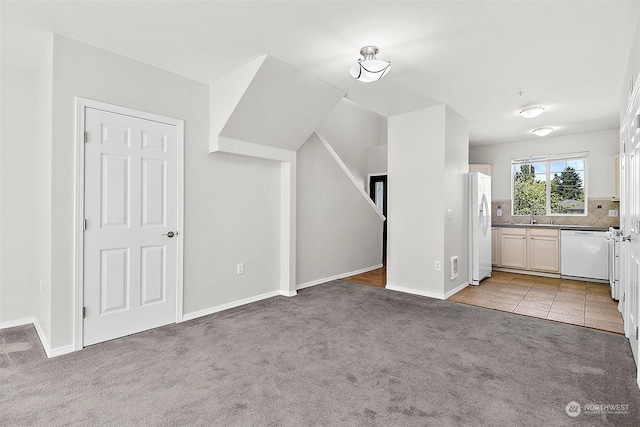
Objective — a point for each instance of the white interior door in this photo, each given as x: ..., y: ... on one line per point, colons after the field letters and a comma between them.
x: 633, y: 243
x: 131, y: 211
x: 631, y: 224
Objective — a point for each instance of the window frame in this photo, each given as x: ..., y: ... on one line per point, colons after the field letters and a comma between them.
x: 548, y: 160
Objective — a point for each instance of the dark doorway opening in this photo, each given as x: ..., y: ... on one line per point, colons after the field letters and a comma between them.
x: 378, y: 193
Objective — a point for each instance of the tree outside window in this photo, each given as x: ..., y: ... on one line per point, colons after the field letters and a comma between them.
x: 549, y: 187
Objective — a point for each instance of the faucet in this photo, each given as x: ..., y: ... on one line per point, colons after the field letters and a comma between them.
x: 532, y: 220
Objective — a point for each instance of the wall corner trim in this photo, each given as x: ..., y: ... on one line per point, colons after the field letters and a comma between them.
x: 412, y: 291
x: 456, y: 290
x: 51, y: 352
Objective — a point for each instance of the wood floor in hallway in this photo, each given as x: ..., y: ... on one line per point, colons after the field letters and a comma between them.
x: 377, y: 278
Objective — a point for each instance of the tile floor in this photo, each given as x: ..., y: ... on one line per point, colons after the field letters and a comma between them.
x: 580, y: 303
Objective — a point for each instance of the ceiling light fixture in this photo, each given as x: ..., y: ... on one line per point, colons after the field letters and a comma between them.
x: 542, y: 131
x: 531, y: 112
x: 369, y: 69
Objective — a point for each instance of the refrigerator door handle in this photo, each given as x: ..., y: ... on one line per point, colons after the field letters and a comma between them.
x: 484, y: 208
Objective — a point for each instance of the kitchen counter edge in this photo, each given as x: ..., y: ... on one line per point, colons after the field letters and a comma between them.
x: 556, y: 226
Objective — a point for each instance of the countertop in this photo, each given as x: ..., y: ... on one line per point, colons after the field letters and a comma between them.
x: 556, y: 226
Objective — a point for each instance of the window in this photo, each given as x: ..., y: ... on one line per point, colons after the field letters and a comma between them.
x: 549, y: 185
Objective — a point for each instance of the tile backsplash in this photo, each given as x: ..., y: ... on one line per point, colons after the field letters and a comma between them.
x: 598, y: 215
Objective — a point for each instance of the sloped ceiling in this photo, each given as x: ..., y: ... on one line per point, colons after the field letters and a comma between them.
x: 280, y: 106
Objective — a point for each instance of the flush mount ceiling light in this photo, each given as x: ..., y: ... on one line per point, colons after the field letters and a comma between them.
x: 531, y: 112
x: 542, y: 131
x: 369, y: 69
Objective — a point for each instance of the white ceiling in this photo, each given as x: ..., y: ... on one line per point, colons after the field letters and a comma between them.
x: 474, y: 56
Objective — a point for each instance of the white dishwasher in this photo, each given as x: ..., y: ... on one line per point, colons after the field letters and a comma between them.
x: 584, y: 254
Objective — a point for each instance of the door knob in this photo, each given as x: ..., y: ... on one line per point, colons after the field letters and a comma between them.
x: 170, y: 234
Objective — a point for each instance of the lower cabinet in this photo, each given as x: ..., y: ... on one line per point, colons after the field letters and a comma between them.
x: 495, y: 246
x: 528, y: 248
x: 513, y: 247
x: 544, y: 250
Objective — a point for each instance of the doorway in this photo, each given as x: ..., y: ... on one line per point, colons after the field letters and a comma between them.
x: 130, y: 209
x: 378, y: 193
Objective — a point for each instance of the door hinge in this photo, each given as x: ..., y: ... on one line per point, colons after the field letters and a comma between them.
x: 624, y: 297
x: 86, y: 137
x: 84, y: 225
x: 84, y: 312
x: 636, y: 333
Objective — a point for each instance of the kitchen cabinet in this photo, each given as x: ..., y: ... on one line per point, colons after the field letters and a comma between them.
x: 530, y: 248
x: 544, y: 250
x: 495, y: 246
x: 482, y: 168
x: 513, y: 248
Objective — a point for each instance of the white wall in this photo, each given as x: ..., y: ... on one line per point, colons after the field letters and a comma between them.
x: 601, y: 145
x: 17, y: 190
x: 338, y: 231
x: 415, y: 233
x: 43, y: 155
x: 632, y: 72
x: 353, y: 130
x: 427, y: 171
x: 456, y: 168
x: 377, y: 160
x: 231, y: 204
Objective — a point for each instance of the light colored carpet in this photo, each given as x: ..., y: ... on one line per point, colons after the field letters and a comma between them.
x: 336, y: 354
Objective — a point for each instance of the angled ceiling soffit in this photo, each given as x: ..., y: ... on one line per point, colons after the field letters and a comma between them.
x: 269, y: 103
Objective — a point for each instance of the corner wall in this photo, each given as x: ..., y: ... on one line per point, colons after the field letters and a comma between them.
x: 456, y: 189
x: 415, y: 234
x: 428, y: 164
x: 18, y: 203
x: 43, y: 156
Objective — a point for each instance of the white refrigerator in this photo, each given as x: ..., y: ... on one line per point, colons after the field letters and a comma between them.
x: 479, y: 227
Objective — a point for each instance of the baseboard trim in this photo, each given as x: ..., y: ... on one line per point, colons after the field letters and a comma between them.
x: 43, y: 338
x: 227, y: 306
x: 415, y: 292
x: 288, y: 293
x: 17, y: 322
x: 456, y: 290
x: 527, y: 272
x: 337, y: 277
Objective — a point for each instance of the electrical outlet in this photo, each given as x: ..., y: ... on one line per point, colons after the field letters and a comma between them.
x: 437, y: 266
x: 499, y: 212
x: 240, y: 268
x: 613, y: 212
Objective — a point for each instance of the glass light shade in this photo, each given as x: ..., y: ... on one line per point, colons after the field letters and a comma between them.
x: 531, y: 112
x: 370, y: 70
x: 542, y: 131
